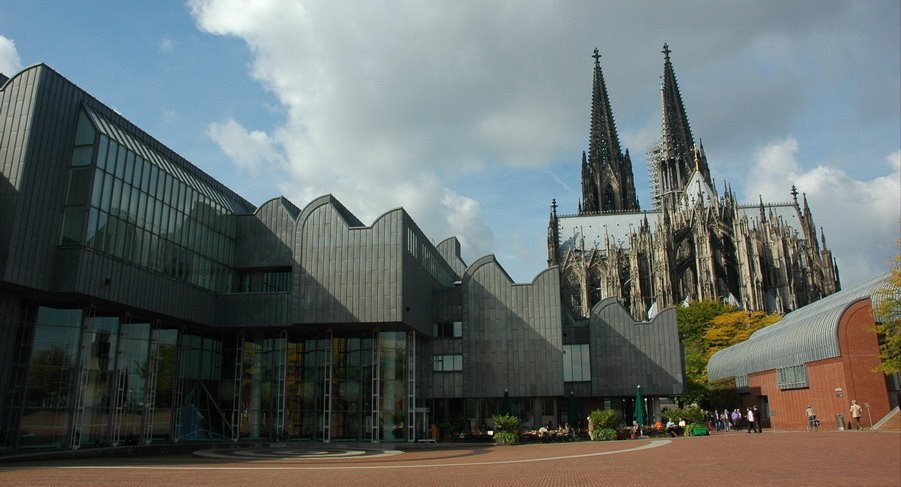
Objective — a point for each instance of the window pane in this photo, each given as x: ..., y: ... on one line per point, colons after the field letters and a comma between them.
x: 84, y: 133
x: 81, y: 156
x: 120, y: 162
x: 129, y: 166
x: 73, y: 225
x: 79, y: 186
x: 101, y: 151
x: 111, y: 157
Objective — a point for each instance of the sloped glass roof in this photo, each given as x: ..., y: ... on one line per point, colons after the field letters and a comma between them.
x: 177, y: 169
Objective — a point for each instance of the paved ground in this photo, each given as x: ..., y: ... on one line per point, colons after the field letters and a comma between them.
x: 773, y: 458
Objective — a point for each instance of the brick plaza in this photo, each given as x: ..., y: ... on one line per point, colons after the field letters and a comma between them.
x: 774, y: 458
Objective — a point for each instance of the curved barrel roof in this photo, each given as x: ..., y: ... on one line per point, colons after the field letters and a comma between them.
x: 804, y: 335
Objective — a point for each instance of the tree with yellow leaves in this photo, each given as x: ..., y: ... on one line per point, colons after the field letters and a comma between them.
x: 888, y: 321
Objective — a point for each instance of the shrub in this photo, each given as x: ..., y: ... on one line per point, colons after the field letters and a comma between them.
x: 604, y: 418
x: 691, y: 426
x: 605, y: 434
x: 505, y: 437
x: 506, y: 422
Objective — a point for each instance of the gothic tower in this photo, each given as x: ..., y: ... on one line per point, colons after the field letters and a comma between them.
x: 607, y: 180
x: 677, y: 158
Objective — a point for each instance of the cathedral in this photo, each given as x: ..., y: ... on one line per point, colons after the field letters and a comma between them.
x: 696, y: 242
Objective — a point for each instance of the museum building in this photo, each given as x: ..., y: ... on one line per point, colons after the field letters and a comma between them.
x: 823, y: 355
x: 143, y: 301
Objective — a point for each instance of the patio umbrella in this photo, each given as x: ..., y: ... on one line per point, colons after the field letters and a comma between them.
x: 505, y: 404
x: 639, y: 406
x: 573, y: 410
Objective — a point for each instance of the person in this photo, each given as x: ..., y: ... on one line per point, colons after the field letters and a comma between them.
x: 757, y: 420
x: 855, y: 414
x: 727, y: 424
x: 590, y: 428
x: 736, y: 416
x: 672, y: 428
x: 543, y: 433
x: 812, y: 423
x: 750, y: 417
x: 658, y: 426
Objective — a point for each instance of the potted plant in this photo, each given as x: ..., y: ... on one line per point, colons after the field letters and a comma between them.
x: 506, y: 433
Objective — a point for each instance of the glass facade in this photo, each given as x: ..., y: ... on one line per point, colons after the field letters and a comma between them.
x: 126, y: 200
x: 88, y: 381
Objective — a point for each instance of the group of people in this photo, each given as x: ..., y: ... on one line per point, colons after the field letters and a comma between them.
x: 814, y: 425
x: 564, y: 432
x: 734, y: 420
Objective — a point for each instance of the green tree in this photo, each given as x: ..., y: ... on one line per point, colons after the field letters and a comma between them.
x: 694, y: 319
x: 706, y: 327
x: 888, y: 324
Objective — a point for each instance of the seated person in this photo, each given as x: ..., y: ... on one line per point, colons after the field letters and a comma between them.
x: 635, y: 430
x: 543, y: 433
x: 673, y: 429
x: 658, y: 426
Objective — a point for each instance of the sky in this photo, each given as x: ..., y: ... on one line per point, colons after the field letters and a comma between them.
x: 472, y: 115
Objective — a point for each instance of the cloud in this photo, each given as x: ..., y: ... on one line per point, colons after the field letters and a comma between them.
x: 406, y: 103
x: 167, y: 44
x: 248, y: 149
x: 861, y: 217
x: 9, y: 57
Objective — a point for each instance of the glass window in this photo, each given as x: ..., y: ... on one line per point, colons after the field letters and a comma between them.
x: 73, y: 225
x: 84, y: 132
x: 79, y: 186
x: 151, y: 187
x: 129, y: 166
x: 139, y: 168
x: 116, y: 197
x: 101, y: 151
x: 576, y: 363
x: 82, y: 156
x: 107, y: 192
x: 111, y: 157
x: 120, y: 162
x: 447, y: 363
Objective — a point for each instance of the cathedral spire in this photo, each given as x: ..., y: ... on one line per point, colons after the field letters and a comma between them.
x: 607, y: 179
x: 676, y: 133
x: 603, y: 143
x: 677, y: 143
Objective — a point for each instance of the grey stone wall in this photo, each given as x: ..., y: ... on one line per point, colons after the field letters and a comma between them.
x: 626, y: 353
x: 512, y: 333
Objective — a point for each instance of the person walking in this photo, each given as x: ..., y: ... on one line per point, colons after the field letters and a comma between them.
x: 855, y: 414
x: 750, y: 418
x: 812, y: 423
x: 757, y: 420
x: 736, y: 416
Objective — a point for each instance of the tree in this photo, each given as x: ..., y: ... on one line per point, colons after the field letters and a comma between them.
x: 694, y: 319
x: 735, y: 327
x: 706, y: 327
x: 888, y: 321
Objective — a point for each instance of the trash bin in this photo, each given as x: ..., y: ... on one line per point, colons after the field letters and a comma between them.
x: 840, y: 422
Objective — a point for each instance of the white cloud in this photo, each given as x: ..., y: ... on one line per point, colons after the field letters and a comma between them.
x: 167, y: 44
x: 248, y: 149
x: 403, y: 104
x: 366, y: 118
x: 9, y: 57
x: 861, y: 218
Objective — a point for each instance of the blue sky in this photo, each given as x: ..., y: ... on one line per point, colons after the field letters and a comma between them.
x: 473, y: 115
